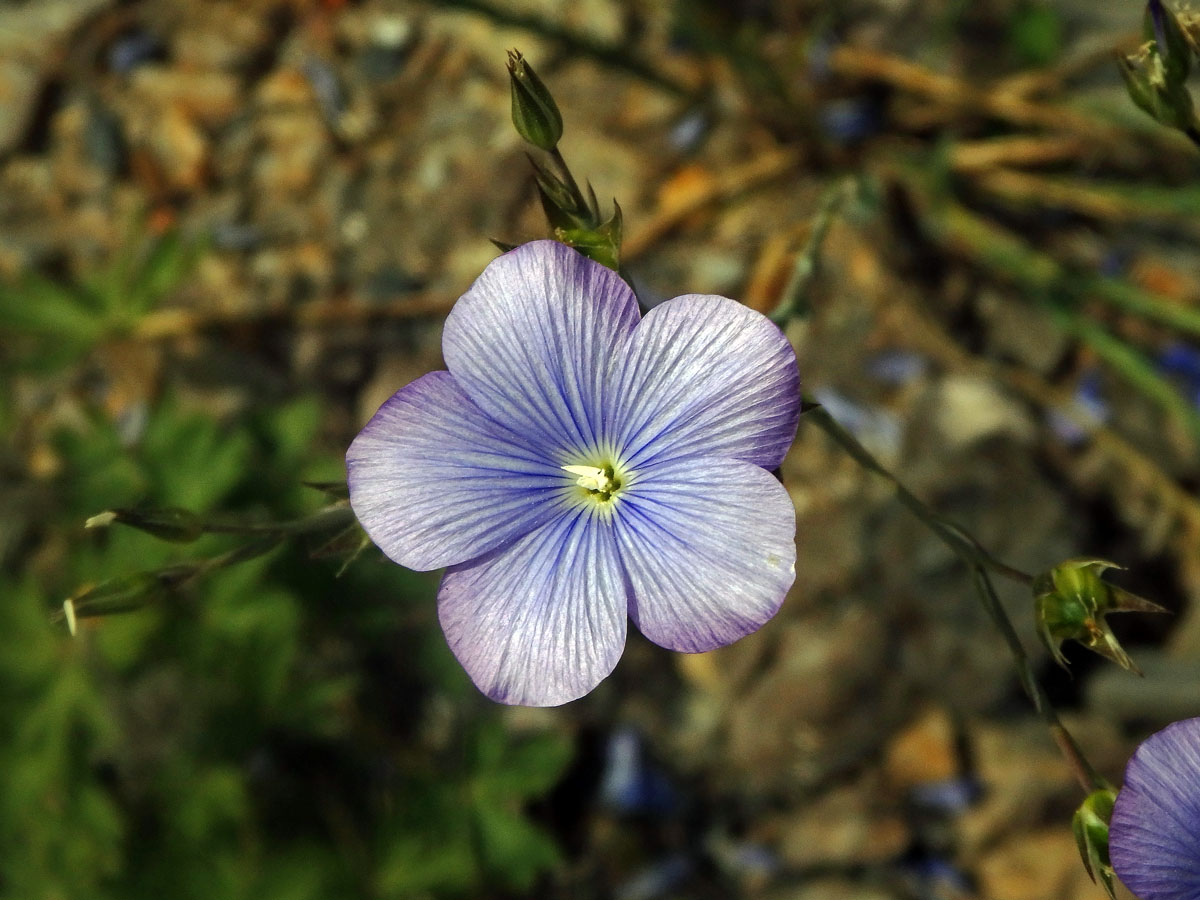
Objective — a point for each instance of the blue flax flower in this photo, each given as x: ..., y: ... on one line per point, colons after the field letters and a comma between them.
x: 579, y: 465
x: 1154, y: 837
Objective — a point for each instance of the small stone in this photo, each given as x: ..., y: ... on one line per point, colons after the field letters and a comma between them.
x: 1041, y: 865
x: 842, y: 828
x: 29, y: 34
x: 210, y: 99
x: 923, y: 752
x: 180, y: 148
x: 19, y: 85
x: 220, y: 35
x: 969, y: 410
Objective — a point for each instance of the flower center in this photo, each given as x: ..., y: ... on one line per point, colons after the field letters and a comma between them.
x: 600, y: 483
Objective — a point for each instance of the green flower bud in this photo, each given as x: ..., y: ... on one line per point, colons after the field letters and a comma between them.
x: 1174, y: 49
x: 534, y: 112
x: 1071, y: 602
x: 1163, y: 97
x: 1090, y: 825
x: 179, y: 526
x: 123, y: 594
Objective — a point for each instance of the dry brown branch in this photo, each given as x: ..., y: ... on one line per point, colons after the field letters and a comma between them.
x: 909, y: 326
x: 1018, y: 150
x: 960, y: 97
x: 1032, y: 190
x: 1030, y: 83
x: 759, y: 171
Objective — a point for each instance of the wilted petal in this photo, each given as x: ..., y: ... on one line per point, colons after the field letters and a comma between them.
x: 708, y: 547
x: 1154, y: 837
x: 541, y: 622
x: 706, y: 376
x: 532, y: 340
x: 434, y: 481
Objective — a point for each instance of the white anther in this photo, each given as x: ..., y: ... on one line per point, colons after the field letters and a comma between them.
x: 590, y: 478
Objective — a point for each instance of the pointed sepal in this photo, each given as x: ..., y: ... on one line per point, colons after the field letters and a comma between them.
x: 1090, y: 826
x: 1071, y: 602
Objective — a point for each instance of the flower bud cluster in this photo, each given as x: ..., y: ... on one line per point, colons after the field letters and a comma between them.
x: 573, y: 216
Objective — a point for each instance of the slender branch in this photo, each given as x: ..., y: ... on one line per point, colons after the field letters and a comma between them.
x: 981, y: 563
x: 958, y: 540
x: 805, y: 268
x: 564, y: 170
x: 1087, y: 776
x: 619, y: 55
x: 335, y: 515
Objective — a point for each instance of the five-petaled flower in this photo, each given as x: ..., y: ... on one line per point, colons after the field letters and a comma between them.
x: 1154, y: 836
x: 579, y: 465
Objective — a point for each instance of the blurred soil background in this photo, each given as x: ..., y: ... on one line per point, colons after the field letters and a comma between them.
x: 229, y: 230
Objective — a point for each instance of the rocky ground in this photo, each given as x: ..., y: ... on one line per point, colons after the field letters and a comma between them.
x: 347, y: 163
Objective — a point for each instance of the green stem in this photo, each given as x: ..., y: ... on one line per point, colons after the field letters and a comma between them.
x: 980, y: 563
x: 1085, y: 773
x: 581, y: 202
x: 805, y: 268
x: 958, y: 540
x: 1015, y: 261
x: 326, y: 518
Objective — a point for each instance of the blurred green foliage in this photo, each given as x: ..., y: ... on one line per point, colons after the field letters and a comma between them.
x: 48, y: 323
x: 1035, y: 33
x: 267, y: 731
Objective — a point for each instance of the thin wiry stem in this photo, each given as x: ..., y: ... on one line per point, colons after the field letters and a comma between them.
x: 805, y: 267
x: 982, y: 565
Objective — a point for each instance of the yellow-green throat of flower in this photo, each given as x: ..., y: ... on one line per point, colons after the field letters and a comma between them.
x: 601, y: 483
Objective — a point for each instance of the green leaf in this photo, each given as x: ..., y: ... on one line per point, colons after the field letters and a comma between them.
x: 1035, y: 33
x: 514, y: 850
x: 39, y: 306
x: 530, y: 767
x: 438, y: 856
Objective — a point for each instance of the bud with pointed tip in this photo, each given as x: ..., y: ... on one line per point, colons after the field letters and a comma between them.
x: 180, y: 526
x: 1090, y: 825
x: 602, y: 244
x: 1155, y: 75
x: 123, y: 594
x: 1162, y: 26
x: 1071, y: 602
x: 535, y: 115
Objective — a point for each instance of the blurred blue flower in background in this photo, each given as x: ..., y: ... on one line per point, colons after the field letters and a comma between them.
x: 1154, y: 836
x: 1089, y: 400
x: 1181, y: 361
x: 577, y: 465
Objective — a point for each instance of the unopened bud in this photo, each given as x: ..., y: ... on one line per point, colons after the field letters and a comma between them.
x: 1090, y: 825
x: 117, y: 595
x: 1162, y: 26
x: 179, y: 526
x: 1160, y: 94
x: 534, y: 112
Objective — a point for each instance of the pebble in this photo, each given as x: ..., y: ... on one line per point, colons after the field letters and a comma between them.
x: 210, y: 99
x: 970, y: 410
x: 847, y: 826
x: 923, y: 752
x: 1040, y: 865
x: 29, y: 36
